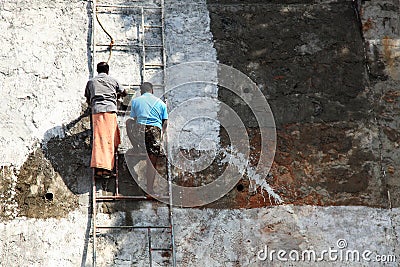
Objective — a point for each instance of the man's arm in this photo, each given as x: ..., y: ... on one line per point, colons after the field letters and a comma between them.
x: 121, y: 94
x: 87, y: 94
x: 133, y: 113
x: 164, y: 118
x: 164, y: 125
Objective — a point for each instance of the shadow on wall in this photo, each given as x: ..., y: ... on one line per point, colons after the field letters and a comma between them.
x: 53, y: 175
x: 70, y: 155
x: 70, y: 158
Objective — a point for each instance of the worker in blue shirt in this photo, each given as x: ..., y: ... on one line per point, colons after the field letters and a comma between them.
x: 151, y: 116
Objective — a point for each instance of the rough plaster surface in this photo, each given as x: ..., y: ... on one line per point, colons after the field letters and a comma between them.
x: 205, y: 237
x: 332, y: 88
x: 188, y: 39
x: 338, y: 142
x: 43, y: 68
x: 380, y: 25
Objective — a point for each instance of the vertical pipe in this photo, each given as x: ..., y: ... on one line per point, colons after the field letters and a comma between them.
x: 164, y: 56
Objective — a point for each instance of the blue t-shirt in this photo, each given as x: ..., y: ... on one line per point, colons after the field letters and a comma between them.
x: 149, y: 110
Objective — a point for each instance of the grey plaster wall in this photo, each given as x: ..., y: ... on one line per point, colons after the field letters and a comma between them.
x: 43, y: 67
x: 338, y: 138
x: 381, y: 30
x: 209, y: 237
x: 188, y: 39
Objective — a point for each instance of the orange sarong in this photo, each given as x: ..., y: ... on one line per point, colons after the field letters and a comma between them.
x: 105, y: 140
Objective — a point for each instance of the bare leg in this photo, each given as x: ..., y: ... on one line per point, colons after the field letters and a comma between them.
x: 151, y: 172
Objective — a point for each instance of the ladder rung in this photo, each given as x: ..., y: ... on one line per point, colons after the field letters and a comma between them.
x: 161, y: 249
x: 138, y: 85
x: 130, y: 45
x: 130, y: 197
x: 120, y: 6
x: 122, y: 113
x: 122, y: 197
x: 128, y: 6
x: 133, y: 227
x: 138, y: 155
x: 130, y: 85
x: 150, y: 7
x: 153, y: 26
x: 154, y: 65
x: 117, y: 45
x: 153, y: 46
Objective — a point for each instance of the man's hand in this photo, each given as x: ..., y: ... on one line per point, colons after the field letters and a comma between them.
x: 122, y: 94
x: 164, y: 125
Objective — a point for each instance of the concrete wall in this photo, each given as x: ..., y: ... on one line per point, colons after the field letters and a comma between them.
x: 42, y: 70
x: 209, y: 237
x: 381, y: 30
x: 188, y: 39
x: 44, y: 67
x: 329, y: 70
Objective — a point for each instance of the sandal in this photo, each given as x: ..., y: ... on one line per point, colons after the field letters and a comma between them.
x: 98, y: 173
x: 103, y: 173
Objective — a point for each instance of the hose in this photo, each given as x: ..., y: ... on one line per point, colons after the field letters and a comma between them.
x: 108, y: 34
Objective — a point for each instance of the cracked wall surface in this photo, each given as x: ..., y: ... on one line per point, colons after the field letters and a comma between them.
x: 208, y: 237
x: 330, y: 72
x: 43, y: 69
x: 381, y: 30
x: 323, y: 75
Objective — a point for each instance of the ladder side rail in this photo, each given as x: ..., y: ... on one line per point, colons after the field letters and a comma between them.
x: 150, y: 249
x: 116, y: 173
x: 169, y: 172
x: 94, y: 230
x: 94, y: 214
x: 94, y: 7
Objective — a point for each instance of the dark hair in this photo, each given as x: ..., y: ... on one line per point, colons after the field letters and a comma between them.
x: 146, y: 87
x: 103, y: 67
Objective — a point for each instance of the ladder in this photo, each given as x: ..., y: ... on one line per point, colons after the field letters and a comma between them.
x: 143, y: 47
x: 141, y: 44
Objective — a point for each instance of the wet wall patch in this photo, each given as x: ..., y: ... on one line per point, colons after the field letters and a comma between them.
x: 53, y: 176
x: 309, y: 61
x: 41, y: 192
